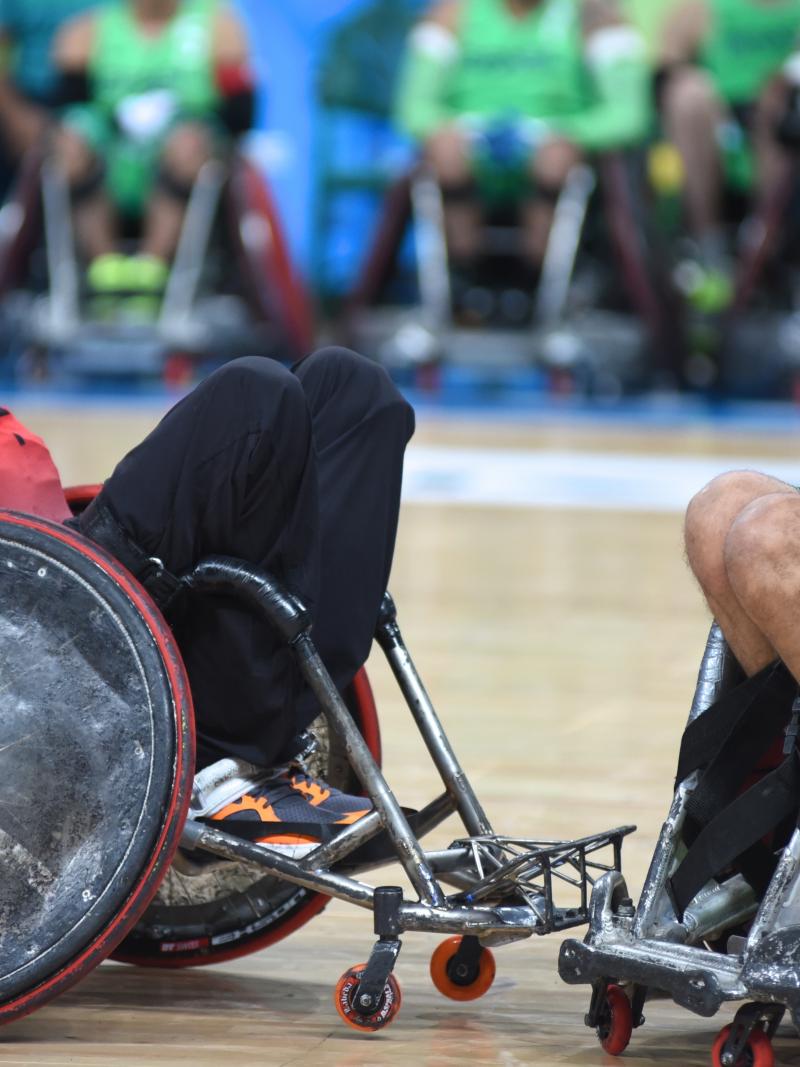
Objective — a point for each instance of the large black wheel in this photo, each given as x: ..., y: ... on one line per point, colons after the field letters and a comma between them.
x: 96, y: 757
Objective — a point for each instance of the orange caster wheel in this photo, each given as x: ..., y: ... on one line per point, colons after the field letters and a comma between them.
x: 462, y: 969
x: 345, y: 998
x: 615, y: 1022
x: 756, y: 1053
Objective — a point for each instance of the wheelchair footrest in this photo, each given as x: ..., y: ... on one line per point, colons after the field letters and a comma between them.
x: 695, y: 978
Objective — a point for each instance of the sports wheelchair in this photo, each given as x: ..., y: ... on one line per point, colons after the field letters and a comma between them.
x: 719, y: 916
x: 96, y: 745
x: 232, y: 289
x: 600, y: 320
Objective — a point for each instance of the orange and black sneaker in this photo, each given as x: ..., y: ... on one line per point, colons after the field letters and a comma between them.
x: 284, y: 809
x: 328, y: 798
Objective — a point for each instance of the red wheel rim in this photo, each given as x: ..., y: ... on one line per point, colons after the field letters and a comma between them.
x: 616, y: 1023
x: 758, y: 1051
x: 440, y: 977
x: 346, y: 991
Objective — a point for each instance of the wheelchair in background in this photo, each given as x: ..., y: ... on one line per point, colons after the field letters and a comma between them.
x: 231, y: 290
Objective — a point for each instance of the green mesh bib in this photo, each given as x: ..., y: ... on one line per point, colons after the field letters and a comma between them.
x: 748, y: 44
x: 126, y: 63
x: 510, y: 66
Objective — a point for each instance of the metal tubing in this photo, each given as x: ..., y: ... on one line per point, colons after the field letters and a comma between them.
x: 455, y: 780
x: 184, y: 278
x: 441, y: 918
x: 351, y: 838
x: 433, y: 270
x: 60, y: 248
x: 406, y: 845
x: 197, y: 835
x: 563, y: 245
x: 652, y: 893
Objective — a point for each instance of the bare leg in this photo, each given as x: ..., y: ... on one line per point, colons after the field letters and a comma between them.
x: 188, y: 148
x: 772, y: 159
x: 95, y: 218
x: 549, y: 169
x: 447, y: 152
x: 692, y: 114
x: 736, y: 571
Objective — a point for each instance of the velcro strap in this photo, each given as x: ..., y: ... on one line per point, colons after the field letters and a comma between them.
x: 100, y: 524
x: 736, y: 713
x: 736, y: 831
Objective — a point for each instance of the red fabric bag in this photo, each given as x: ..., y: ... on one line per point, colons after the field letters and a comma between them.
x: 29, y: 480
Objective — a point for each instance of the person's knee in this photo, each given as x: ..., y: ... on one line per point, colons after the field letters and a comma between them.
x: 186, y: 150
x: 368, y: 384
x: 710, y: 515
x: 688, y: 95
x: 447, y: 155
x: 553, y: 162
x: 256, y: 385
x: 761, y: 545
x: 74, y: 156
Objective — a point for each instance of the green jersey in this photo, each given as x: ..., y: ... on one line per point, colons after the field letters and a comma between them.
x: 142, y: 87
x: 127, y: 65
x: 748, y: 43
x: 531, y: 66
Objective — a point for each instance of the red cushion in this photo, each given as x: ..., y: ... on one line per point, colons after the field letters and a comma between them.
x: 29, y: 480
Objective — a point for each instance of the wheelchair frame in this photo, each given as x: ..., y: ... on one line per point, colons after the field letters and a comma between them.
x: 506, y: 887
x: 649, y: 948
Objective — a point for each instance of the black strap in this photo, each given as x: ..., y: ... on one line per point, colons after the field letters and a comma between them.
x: 100, y: 524
x: 706, y: 735
x: 741, y: 729
x: 735, y: 835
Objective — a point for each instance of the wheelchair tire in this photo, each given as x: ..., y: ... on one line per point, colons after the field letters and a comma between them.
x: 96, y: 757
x: 234, y: 911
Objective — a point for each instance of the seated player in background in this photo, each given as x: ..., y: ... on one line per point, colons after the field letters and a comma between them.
x: 519, y: 86
x: 722, y: 84
x: 150, y: 91
x: 28, y: 80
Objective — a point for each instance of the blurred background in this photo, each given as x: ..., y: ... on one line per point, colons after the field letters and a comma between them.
x: 501, y: 200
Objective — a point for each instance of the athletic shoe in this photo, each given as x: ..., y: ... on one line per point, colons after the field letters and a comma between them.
x: 328, y: 798
x: 268, y: 808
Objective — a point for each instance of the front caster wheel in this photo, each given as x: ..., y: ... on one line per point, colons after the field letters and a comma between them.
x: 615, y: 1021
x: 756, y: 1053
x: 462, y: 974
x: 346, y: 999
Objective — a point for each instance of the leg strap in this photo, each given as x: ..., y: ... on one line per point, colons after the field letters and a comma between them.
x: 726, y: 822
x: 100, y: 524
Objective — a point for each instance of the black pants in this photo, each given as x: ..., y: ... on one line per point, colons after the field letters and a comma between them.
x: 298, y: 472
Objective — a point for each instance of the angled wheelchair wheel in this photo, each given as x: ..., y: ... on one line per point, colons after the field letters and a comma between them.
x: 96, y: 757
x: 235, y: 910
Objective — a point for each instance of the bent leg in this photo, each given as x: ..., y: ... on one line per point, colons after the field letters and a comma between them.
x: 447, y: 153
x: 183, y: 156
x: 692, y: 115
x: 298, y: 473
x: 710, y: 520
x: 361, y: 426
x: 549, y: 170
x: 230, y: 470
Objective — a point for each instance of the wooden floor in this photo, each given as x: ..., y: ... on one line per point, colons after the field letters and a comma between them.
x: 560, y: 648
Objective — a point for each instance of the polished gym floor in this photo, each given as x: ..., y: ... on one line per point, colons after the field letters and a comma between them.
x: 541, y: 587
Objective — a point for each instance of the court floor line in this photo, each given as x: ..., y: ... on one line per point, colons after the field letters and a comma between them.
x: 563, y: 479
